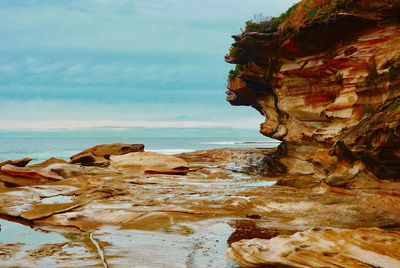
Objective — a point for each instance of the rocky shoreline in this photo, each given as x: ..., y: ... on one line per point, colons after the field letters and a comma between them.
x: 326, y: 76
x: 142, y: 209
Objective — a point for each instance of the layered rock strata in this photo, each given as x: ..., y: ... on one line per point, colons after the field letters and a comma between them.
x: 188, y: 209
x: 329, y: 90
x: 369, y: 247
x: 327, y: 80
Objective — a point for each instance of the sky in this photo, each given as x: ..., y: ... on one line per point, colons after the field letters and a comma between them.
x: 121, y: 63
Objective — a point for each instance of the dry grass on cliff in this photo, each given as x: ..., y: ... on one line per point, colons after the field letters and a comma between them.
x: 300, y: 15
x: 307, y: 11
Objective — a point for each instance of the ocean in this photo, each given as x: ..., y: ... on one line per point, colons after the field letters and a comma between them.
x: 41, y: 145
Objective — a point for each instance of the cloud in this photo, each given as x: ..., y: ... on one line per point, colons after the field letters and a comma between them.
x: 95, y: 59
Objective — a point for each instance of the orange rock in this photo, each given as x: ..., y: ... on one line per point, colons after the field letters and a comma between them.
x: 370, y: 247
x: 328, y: 89
x: 99, y: 155
x: 149, y: 163
x: 107, y: 150
x: 31, y: 173
x: 18, y: 163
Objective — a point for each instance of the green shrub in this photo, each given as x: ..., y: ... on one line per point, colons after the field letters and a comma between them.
x: 235, y: 72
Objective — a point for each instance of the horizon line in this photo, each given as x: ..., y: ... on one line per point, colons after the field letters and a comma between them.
x: 8, y: 125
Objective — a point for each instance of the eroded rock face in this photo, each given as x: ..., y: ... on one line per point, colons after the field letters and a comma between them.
x: 364, y: 247
x: 330, y: 92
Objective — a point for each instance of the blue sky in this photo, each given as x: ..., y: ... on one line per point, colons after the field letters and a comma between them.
x: 125, y: 63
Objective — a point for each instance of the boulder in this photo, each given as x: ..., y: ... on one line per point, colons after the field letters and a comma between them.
x: 89, y: 159
x: 18, y: 163
x: 149, y: 163
x: 107, y: 150
x: 99, y: 155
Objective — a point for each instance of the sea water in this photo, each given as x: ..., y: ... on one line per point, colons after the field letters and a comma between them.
x: 41, y: 145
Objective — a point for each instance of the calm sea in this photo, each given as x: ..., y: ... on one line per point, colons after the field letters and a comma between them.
x: 62, y: 144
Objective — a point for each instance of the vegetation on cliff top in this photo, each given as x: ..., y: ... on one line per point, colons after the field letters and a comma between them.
x: 299, y: 15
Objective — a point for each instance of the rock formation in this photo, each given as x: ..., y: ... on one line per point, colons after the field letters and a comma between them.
x: 326, y: 76
x: 149, y: 163
x: 99, y: 155
x: 365, y: 247
x: 189, y: 210
x: 18, y: 163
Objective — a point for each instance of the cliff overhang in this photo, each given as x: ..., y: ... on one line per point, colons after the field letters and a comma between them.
x: 327, y: 80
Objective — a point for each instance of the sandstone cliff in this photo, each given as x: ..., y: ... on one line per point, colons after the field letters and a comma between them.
x: 326, y: 76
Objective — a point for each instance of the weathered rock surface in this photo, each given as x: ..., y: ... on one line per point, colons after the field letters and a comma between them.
x: 67, y: 170
x: 38, y: 175
x: 107, y: 150
x: 89, y: 159
x: 329, y: 90
x: 370, y: 247
x: 327, y: 80
x: 120, y: 214
x: 18, y: 163
x: 239, y: 159
x: 48, y: 162
x: 99, y: 155
x: 149, y: 163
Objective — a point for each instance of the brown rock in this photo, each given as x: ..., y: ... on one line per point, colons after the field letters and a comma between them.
x: 21, y: 181
x: 94, y: 200
x: 328, y: 89
x: 30, y: 173
x: 247, y: 160
x: 370, y: 247
x: 66, y: 170
x: 18, y: 163
x: 99, y: 155
x: 89, y: 159
x: 48, y: 162
x: 149, y: 163
x: 219, y: 175
x: 106, y: 150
